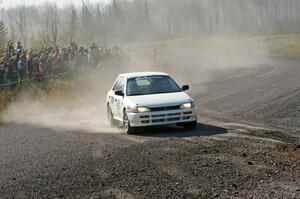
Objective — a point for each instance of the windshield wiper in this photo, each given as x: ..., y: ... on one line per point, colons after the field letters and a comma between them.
x: 153, y: 93
x: 164, y: 92
x: 138, y: 94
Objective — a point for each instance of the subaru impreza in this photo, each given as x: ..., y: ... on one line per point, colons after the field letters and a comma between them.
x: 144, y: 99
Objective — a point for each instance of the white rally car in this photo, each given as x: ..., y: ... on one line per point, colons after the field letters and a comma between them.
x: 149, y: 99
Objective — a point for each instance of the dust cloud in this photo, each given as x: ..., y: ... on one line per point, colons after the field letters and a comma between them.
x: 86, y: 110
x: 198, y: 61
x: 58, y: 116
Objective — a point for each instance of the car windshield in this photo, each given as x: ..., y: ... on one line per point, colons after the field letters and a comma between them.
x: 151, y: 85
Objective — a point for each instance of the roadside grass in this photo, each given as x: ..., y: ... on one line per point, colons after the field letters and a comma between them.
x: 7, y: 97
x: 286, y: 46
x: 281, y: 45
x: 59, y: 90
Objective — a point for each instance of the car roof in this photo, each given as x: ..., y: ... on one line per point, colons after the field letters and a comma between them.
x: 142, y: 74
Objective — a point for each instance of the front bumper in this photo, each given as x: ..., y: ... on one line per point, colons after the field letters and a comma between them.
x: 162, y: 117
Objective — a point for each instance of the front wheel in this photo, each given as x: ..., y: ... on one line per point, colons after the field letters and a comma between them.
x: 190, y: 125
x: 126, y: 124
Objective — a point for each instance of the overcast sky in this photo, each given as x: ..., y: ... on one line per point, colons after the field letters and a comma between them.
x: 11, y: 3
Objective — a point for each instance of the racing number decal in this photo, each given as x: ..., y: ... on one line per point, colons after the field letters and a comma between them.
x: 112, y: 100
x: 116, y: 103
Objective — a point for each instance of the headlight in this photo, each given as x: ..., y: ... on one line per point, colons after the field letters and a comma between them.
x: 138, y: 110
x: 143, y: 110
x: 187, y: 105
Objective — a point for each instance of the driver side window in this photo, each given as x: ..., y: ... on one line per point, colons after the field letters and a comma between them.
x: 120, y: 85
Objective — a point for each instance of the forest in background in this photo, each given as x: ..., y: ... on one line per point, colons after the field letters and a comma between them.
x: 146, y: 20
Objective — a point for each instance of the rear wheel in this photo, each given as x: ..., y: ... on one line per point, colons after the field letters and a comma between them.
x: 190, y: 125
x: 126, y: 124
x: 110, y: 117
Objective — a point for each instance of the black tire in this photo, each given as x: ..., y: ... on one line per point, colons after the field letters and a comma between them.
x: 190, y: 125
x: 110, y: 117
x: 126, y: 125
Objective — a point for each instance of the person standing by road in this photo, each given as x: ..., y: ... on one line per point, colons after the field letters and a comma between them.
x: 71, y: 61
x: 22, y: 67
x: 9, y: 48
x: 54, y: 61
x: 30, y: 64
x: 2, y: 73
x: 19, y: 46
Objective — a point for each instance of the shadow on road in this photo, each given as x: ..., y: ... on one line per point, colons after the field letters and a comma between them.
x: 173, y: 131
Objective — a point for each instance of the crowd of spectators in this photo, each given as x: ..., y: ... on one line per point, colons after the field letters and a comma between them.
x: 19, y: 65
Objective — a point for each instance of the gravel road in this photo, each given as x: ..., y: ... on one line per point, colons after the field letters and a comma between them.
x: 209, y: 162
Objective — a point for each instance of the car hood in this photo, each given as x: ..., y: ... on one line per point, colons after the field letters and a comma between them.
x: 157, y: 100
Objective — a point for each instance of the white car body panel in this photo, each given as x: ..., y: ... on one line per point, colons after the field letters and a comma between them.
x: 165, y: 99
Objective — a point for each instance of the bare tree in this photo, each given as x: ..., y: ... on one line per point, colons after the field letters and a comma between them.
x: 21, y: 22
x: 87, y: 24
x: 151, y: 19
x: 49, y: 24
x: 44, y: 31
x: 54, y: 20
x: 3, y: 33
x: 11, y: 20
x: 72, y: 23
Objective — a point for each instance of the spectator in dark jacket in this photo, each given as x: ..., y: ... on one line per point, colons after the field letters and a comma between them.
x: 2, y: 74
x: 30, y: 64
x: 19, y: 46
x: 22, y: 67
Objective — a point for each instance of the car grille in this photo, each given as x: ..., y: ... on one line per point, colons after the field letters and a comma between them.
x: 173, y: 119
x: 164, y: 108
x: 169, y: 117
x: 173, y: 114
x: 160, y: 115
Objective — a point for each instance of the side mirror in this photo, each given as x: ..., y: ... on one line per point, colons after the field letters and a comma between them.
x: 185, y: 87
x: 119, y: 93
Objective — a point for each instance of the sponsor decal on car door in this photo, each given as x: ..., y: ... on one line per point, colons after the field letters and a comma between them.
x: 115, y: 100
x: 119, y: 99
x: 113, y: 97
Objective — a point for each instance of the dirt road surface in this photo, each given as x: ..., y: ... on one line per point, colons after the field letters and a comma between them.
x: 246, y: 145
x: 209, y: 162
